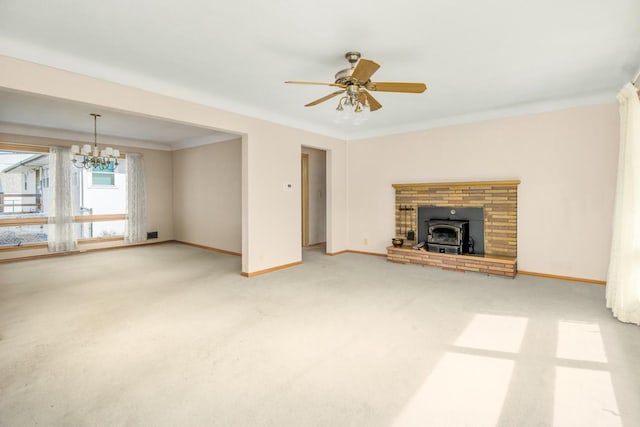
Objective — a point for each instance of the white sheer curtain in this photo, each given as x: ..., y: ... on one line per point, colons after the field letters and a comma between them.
x: 136, y: 200
x: 623, y: 283
x: 61, y: 230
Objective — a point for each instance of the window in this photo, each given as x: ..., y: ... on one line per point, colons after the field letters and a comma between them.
x: 103, y: 176
x: 44, y: 177
x: 100, y: 192
x: 20, y: 192
x: 99, y: 198
x: 23, y: 204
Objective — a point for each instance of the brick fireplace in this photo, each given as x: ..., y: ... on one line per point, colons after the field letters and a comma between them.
x: 499, y: 201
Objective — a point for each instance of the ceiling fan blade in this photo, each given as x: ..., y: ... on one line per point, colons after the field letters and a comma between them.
x: 397, y: 87
x: 324, y: 98
x: 365, y: 97
x: 316, y: 83
x: 364, y: 70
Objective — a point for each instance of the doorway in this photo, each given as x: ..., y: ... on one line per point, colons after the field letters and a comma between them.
x: 313, y: 196
x: 305, y: 199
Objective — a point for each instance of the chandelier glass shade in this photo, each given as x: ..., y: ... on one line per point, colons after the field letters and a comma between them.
x: 89, y: 157
x: 353, y: 107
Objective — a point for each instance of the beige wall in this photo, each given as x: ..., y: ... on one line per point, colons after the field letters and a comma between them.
x: 317, y: 195
x: 158, y: 172
x: 207, y: 195
x: 566, y: 161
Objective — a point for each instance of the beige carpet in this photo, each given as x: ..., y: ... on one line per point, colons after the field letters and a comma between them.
x: 173, y: 335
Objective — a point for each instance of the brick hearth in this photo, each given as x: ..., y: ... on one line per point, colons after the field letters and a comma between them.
x: 499, y: 199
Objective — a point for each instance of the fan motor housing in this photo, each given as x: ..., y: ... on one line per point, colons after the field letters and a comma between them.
x: 344, y: 76
x: 352, y: 57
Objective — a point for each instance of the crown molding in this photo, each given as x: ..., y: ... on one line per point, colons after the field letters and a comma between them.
x: 83, y: 137
x: 598, y: 98
x: 203, y: 140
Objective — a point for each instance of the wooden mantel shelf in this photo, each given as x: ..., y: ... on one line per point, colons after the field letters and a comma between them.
x: 510, y: 183
x: 497, y: 265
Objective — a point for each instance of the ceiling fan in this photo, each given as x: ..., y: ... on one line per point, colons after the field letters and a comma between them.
x: 355, y: 83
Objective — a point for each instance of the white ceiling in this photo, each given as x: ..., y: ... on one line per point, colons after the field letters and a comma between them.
x: 480, y: 59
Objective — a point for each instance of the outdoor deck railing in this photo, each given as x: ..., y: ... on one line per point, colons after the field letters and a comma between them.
x: 10, y: 201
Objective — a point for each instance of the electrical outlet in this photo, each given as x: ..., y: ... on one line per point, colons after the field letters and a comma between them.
x: 366, y: 241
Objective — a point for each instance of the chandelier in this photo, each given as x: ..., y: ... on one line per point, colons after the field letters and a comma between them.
x: 88, y: 158
x: 353, y: 107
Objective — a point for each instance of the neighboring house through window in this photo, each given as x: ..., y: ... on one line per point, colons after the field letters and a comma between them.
x: 103, y: 176
x: 23, y: 206
x: 101, y: 192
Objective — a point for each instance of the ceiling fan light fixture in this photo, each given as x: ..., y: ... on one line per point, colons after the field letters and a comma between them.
x: 364, y: 112
x: 355, y: 83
